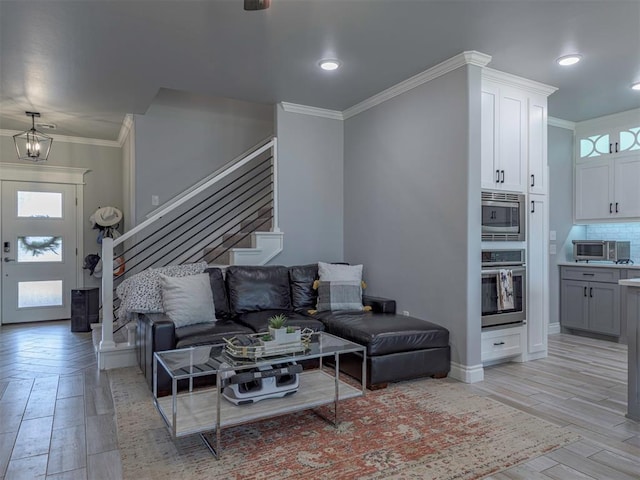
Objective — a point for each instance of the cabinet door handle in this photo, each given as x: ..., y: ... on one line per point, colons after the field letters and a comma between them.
x: 501, y: 176
x: 617, y: 147
x: 533, y: 206
x: 610, y: 148
x: 498, y: 343
x: 589, y: 274
x: 611, y: 208
x: 497, y: 176
x: 533, y: 180
x: 591, y: 292
x: 585, y: 292
x: 616, y: 207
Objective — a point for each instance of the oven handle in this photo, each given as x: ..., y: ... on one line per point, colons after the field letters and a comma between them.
x: 497, y: 271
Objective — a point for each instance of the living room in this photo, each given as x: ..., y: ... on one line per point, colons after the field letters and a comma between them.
x: 381, y: 187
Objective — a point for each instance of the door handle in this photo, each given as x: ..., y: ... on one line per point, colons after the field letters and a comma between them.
x: 585, y: 292
x: 533, y: 206
x: 617, y: 207
x: 7, y: 259
x: 591, y: 292
x: 497, y: 176
x: 501, y: 176
x: 533, y: 180
x: 617, y: 147
x: 611, y: 148
x: 611, y: 208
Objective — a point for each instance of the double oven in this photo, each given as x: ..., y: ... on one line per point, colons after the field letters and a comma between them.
x: 493, y: 262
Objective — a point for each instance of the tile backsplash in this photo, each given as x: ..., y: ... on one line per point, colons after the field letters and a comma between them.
x: 617, y: 231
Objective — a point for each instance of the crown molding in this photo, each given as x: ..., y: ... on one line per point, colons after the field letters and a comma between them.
x: 560, y: 123
x: 516, y: 81
x: 465, y: 58
x: 127, y: 123
x: 313, y: 111
x: 68, y: 139
x: 628, y: 117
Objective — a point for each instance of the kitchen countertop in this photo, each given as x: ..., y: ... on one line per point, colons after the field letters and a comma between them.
x: 631, y: 282
x: 601, y: 265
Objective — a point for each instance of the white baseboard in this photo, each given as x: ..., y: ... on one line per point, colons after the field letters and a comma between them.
x: 123, y: 355
x: 554, y: 328
x: 467, y: 373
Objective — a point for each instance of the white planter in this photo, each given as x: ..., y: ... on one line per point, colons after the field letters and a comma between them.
x: 280, y: 335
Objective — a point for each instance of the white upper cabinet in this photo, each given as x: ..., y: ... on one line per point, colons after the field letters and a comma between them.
x: 607, y: 169
x: 608, y: 188
x: 537, y: 179
x: 503, y: 138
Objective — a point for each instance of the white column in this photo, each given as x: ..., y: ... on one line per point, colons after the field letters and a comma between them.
x: 107, y: 294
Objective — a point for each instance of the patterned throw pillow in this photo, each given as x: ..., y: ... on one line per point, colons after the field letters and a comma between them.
x: 340, y: 296
x: 142, y: 293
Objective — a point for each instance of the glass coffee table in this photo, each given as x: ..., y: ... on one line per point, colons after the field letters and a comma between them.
x: 205, y: 410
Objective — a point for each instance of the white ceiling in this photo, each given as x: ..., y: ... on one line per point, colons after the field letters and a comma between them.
x: 85, y: 64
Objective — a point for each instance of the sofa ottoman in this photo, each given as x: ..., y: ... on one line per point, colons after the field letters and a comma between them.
x: 399, y: 347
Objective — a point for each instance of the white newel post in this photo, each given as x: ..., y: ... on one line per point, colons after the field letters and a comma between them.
x: 276, y: 226
x: 107, y: 294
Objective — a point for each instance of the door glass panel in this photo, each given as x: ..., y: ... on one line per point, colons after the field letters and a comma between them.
x: 40, y: 204
x: 39, y: 249
x: 46, y: 293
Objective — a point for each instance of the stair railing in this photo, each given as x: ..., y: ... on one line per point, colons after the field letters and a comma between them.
x: 240, y: 199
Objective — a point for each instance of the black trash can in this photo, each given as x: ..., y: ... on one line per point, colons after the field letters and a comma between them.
x: 84, y: 308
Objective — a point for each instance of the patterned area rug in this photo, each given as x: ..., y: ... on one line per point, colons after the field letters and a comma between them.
x: 425, y: 429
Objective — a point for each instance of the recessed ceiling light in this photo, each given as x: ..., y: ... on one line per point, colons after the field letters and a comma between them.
x: 635, y: 86
x: 569, y: 60
x: 329, y: 64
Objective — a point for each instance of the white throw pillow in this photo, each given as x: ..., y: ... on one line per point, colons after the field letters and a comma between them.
x: 188, y: 300
x: 329, y: 272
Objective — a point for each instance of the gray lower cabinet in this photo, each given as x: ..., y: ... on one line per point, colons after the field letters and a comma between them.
x: 592, y: 306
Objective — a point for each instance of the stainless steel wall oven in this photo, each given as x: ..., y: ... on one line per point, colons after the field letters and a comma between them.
x: 493, y: 261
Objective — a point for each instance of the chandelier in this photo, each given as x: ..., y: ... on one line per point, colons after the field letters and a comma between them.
x: 33, y: 145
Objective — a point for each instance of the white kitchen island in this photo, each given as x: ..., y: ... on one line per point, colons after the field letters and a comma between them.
x: 633, y: 336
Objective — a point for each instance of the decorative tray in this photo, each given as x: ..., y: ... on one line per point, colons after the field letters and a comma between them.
x: 254, y: 347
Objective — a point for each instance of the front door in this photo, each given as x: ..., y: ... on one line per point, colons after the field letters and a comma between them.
x: 39, y: 262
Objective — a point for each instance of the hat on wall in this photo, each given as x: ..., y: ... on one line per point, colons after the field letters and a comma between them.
x: 106, y: 216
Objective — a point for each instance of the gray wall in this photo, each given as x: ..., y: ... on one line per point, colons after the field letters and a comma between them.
x: 183, y: 138
x: 412, y: 210
x: 560, y: 158
x: 103, y: 184
x: 310, y: 163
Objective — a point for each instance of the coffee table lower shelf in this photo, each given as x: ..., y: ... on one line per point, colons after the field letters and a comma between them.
x: 196, y: 411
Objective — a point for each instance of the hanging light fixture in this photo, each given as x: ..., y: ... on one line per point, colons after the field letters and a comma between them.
x: 33, y: 145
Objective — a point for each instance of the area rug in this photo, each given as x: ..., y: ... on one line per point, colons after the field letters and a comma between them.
x: 425, y: 429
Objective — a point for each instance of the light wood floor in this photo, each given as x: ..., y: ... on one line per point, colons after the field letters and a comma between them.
x: 57, y: 418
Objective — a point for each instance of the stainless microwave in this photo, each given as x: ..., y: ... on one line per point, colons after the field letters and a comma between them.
x: 503, y: 217
x: 607, y: 250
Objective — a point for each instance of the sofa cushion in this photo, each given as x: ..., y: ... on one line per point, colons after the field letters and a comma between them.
x: 254, y: 288
x: 208, y: 333
x: 187, y: 300
x: 385, y: 333
x: 303, y: 295
x: 219, y: 291
x: 259, y: 321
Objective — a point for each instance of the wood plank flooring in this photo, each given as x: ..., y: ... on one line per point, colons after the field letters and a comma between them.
x: 57, y: 417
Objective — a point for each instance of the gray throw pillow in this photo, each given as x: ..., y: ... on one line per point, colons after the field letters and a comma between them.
x: 340, y: 296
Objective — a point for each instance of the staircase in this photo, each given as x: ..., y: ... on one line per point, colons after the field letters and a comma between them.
x: 230, y: 217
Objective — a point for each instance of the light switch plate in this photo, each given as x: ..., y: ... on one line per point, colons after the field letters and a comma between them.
x: 552, y: 249
x: 552, y: 235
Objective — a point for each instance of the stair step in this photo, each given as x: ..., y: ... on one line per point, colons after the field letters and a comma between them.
x: 236, y: 240
x: 259, y: 224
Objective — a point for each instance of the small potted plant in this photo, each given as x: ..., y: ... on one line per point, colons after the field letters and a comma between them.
x: 281, y: 333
